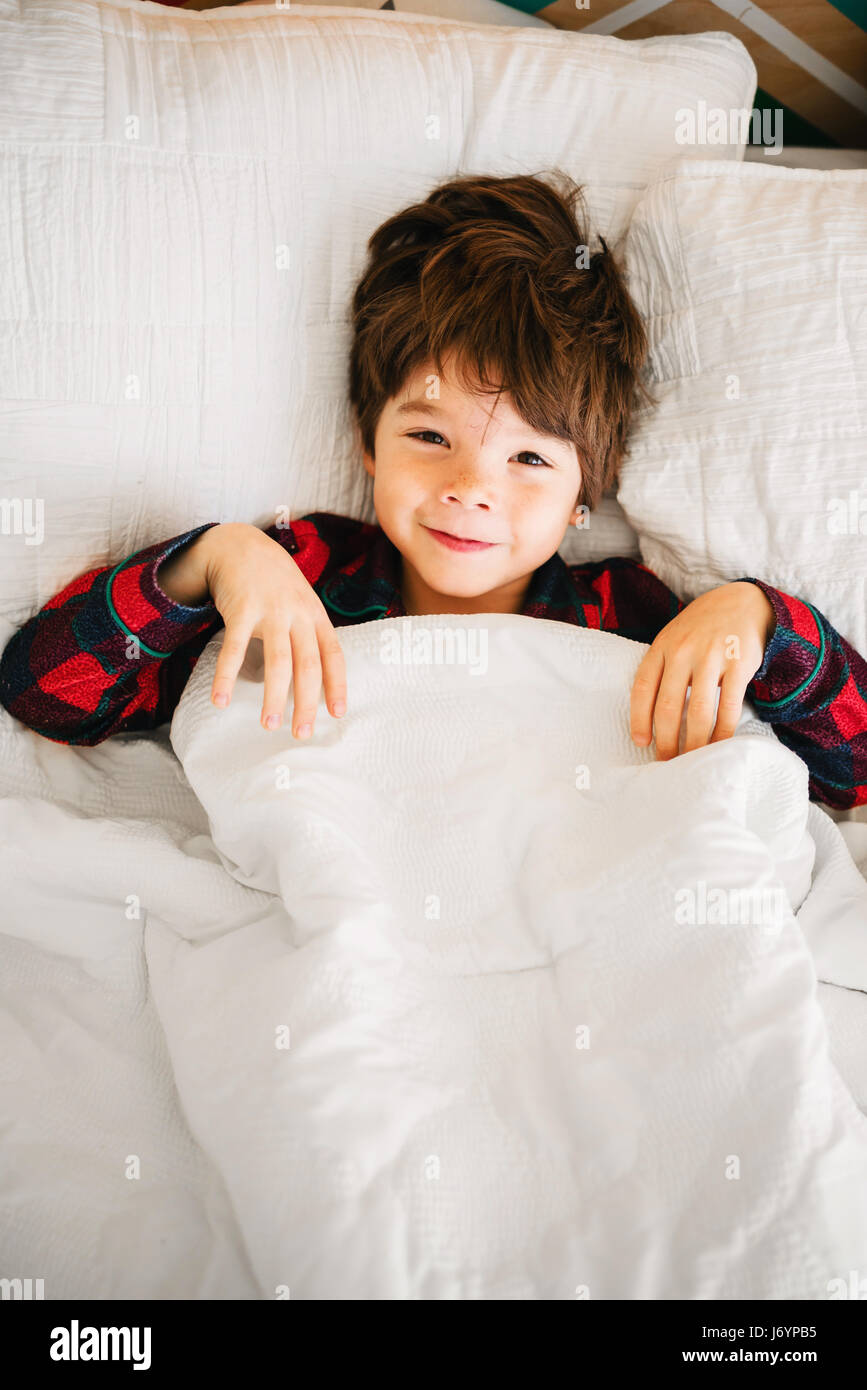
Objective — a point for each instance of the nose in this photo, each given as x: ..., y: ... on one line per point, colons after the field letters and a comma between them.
x: 468, y: 486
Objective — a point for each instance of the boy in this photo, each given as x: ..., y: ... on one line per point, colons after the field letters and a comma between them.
x: 484, y: 288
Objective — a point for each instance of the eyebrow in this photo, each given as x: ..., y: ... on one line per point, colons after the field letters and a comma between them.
x: 422, y: 407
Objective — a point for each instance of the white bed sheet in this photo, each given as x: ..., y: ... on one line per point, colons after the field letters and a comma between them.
x: 85, y: 1070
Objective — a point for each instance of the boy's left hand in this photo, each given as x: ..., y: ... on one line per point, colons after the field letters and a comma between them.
x: 717, y: 640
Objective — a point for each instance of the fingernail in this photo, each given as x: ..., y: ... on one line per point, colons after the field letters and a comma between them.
x: 272, y: 721
x: 221, y: 700
x: 339, y: 708
x: 304, y: 731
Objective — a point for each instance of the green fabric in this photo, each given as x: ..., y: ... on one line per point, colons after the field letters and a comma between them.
x: 856, y: 10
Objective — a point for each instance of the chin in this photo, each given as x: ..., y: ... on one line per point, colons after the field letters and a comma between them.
x: 445, y: 584
x: 464, y: 594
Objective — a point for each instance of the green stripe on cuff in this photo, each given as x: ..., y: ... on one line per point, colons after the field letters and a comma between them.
x: 776, y: 704
x: 121, y: 624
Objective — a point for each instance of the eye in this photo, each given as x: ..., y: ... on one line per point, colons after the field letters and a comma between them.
x: 418, y: 435
x: 434, y: 434
x: 528, y: 453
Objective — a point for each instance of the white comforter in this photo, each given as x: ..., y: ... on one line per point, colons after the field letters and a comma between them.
x: 451, y: 997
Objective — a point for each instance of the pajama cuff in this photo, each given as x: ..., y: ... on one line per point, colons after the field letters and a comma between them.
x: 142, y: 610
x: 794, y: 655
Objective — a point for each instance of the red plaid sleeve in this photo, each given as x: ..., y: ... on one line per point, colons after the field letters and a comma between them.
x: 811, y: 686
x: 111, y: 653
x: 812, y: 689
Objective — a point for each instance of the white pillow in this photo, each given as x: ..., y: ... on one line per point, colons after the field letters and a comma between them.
x: 753, y: 283
x: 185, y: 208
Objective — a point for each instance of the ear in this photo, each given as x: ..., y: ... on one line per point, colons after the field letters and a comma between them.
x: 369, y: 463
x: 358, y: 443
x: 578, y: 511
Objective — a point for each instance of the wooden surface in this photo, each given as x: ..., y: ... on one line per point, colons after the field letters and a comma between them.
x: 824, y: 82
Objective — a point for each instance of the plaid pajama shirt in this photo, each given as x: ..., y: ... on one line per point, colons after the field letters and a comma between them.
x: 72, y: 674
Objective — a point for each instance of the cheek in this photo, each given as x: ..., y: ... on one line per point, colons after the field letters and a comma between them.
x: 544, y: 504
x: 541, y: 521
x: 395, y: 497
x: 401, y: 482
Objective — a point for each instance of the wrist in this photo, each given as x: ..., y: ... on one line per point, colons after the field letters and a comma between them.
x: 183, y: 575
x: 766, y: 610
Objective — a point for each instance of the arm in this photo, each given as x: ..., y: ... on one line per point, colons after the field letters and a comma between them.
x: 112, y: 651
x: 812, y: 689
x: 810, y: 686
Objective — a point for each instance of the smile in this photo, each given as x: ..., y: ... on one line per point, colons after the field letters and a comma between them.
x: 455, y: 542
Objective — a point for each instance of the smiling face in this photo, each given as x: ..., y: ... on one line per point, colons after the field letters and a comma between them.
x: 448, y: 467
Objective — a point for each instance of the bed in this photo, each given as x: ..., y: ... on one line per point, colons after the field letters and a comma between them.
x: 269, y: 1030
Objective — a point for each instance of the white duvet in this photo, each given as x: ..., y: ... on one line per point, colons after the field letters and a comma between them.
x: 537, y: 1020
x: 447, y: 1003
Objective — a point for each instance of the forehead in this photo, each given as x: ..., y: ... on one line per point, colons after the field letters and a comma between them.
x: 441, y: 396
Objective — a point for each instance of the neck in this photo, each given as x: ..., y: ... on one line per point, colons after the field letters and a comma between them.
x: 420, y: 600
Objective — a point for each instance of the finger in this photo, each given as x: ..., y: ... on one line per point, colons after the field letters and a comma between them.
x: 278, y: 672
x: 668, y: 711
x: 701, y: 708
x: 230, y: 660
x: 306, y: 676
x: 333, y: 669
x: 732, y: 691
x: 644, y: 688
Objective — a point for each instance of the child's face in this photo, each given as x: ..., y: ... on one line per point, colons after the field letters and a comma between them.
x: 447, y: 464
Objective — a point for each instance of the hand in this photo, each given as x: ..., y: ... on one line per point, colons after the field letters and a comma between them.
x: 717, y: 640
x: 260, y: 592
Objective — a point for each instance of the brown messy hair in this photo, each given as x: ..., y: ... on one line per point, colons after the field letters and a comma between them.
x: 490, y: 267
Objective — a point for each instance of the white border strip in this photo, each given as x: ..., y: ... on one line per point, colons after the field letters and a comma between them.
x: 627, y: 14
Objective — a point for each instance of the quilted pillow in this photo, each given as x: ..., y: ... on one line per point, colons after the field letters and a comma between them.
x: 186, y: 200
x: 753, y: 284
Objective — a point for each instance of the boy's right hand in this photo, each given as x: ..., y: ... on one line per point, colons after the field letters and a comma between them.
x: 259, y: 591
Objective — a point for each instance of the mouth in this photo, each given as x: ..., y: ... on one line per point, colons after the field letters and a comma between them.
x: 458, y: 542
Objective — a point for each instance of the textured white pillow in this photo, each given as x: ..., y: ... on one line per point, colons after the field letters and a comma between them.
x: 753, y: 283
x: 186, y: 200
